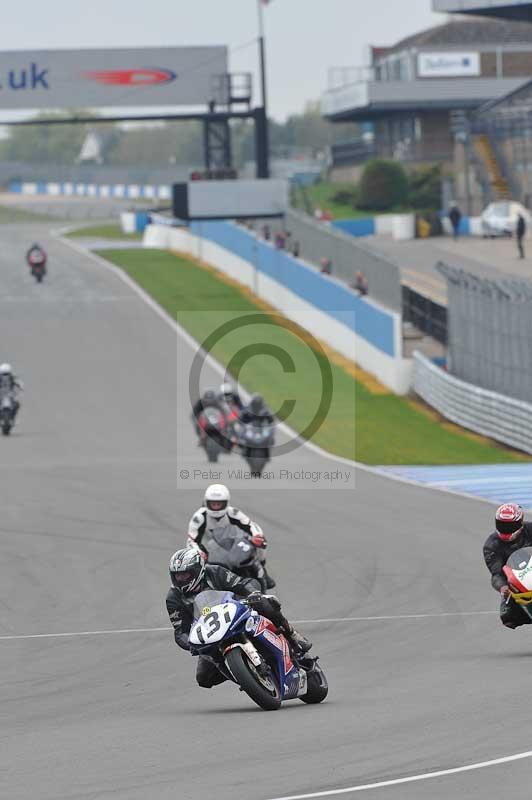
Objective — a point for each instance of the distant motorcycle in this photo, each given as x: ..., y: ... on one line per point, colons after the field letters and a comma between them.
x: 237, y: 553
x: 255, y: 441
x: 7, y: 413
x: 249, y: 650
x: 37, y: 263
x: 213, y: 433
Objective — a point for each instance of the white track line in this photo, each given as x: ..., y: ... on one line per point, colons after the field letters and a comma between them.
x: 412, y: 779
x: 331, y: 620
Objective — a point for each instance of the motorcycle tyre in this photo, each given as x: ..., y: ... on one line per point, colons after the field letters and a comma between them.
x: 237, y: 663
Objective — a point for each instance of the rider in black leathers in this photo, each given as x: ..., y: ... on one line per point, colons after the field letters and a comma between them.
x: 497, y: 551
x: 257, y: 412
x: 179, y: 604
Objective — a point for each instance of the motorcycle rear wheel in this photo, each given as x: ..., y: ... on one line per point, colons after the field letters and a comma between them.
x: 243, y: 672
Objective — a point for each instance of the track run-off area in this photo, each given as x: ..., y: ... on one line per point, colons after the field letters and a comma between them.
x: 427, y: 690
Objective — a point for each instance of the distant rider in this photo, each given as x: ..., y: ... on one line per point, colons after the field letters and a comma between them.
x: 216, y: 515
x: 229, y: 395
x: 257, y: 412
x: 190, y: 575
x: 209, y: 399
x: 511, y: 533
x: 10, y: 385
x: 36, y: 250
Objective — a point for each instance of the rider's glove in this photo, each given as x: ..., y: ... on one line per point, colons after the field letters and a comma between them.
x: 505, y: 591
x: 254, y: 597
x: 258, y: 540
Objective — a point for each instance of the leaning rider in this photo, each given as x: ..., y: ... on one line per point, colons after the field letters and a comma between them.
x: 511, y: 533
x: 190, y: 574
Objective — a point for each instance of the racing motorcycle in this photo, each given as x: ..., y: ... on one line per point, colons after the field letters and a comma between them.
x: 7, y: 413
x: 37, y: 264
x: 248, y: 650
x: 255, y: 441
x: 236, y: 553
x: 518, y: 571
x: 213, y: 433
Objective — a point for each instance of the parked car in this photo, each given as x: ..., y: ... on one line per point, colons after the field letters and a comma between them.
x: 500, y: 218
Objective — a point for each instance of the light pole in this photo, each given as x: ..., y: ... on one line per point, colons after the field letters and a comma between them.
x: 263, y: 145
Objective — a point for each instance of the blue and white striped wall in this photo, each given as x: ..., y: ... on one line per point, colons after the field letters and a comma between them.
x: 356, y: 327
x: 123, y: 191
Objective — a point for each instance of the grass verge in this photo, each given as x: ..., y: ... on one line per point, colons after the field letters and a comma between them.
x: 362, y: 424
x: 10, y: 214
x: 102, y: 232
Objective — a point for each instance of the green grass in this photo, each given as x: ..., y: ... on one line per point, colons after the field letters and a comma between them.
x: 321, y: 194
x: 10, y: 214
x: 372, y: 428
x: 103, y: 232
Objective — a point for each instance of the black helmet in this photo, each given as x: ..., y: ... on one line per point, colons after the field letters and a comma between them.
x: 209, y: 397
x: 256, y: 404
x: 187, y: 568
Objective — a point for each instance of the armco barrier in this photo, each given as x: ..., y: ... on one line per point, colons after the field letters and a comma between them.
x: 488, y: 413
x: 354, y: 326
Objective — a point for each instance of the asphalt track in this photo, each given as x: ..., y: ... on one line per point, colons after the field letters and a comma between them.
x: 89, y: 517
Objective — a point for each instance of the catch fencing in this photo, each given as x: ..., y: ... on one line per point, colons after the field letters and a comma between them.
x: 317, y: 241
x: 488, y: 413
x: 490, y: 332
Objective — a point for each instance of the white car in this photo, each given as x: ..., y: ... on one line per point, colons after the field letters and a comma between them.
x: 500, y: 218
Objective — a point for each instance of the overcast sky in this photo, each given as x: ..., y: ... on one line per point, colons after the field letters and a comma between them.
x: 304, y: 37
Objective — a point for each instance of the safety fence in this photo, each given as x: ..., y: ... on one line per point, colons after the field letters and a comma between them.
x: 490, y: 331
x: 488, y: 413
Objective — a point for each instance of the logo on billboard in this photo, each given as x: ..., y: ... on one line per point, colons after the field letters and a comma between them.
x: 132, y: 77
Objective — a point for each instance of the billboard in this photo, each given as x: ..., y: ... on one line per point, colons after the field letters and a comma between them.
x: 150, y: 76
x: 448, y: 65
x: 238, y: 199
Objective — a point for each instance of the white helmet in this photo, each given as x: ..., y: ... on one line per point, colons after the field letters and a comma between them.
x: 216, y: 500
x: 227, y: 390
x: 5, y: 369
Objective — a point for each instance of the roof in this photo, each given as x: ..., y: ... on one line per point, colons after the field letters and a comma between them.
x: 470, y: 32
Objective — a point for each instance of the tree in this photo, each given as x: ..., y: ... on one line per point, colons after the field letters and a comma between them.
x: 383, y: 186
x: 58, y: 144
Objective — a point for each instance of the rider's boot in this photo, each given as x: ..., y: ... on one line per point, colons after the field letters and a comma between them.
x: 270, y: 583
x: 299, y: 642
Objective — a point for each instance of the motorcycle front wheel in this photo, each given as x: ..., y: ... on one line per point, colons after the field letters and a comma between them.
x: 264, y: 692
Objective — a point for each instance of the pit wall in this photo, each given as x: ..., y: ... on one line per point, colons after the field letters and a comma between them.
x: 356, y: 327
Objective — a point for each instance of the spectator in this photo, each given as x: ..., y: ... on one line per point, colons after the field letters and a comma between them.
x: 280, y: 240
x: 520, y: 232
x: 266, y: 233
x: 295, y: 249
x: 360, y: 284
x: 326, y: 266
x: 455, y: 215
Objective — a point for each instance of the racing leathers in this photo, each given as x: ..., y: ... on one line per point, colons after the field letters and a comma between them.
x: 180, y: 611
x: 10, y: 385
x: 496, y: 554
x: 202, y: 525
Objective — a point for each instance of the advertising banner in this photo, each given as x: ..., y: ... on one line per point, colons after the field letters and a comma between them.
x: 151, y: 76
x: 448, y: 65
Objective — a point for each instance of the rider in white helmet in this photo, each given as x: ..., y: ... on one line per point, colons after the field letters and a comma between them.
x: 216, y: 514
x: 10, y: 384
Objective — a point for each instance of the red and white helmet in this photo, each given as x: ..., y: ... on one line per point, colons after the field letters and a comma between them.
x: 509, y: 521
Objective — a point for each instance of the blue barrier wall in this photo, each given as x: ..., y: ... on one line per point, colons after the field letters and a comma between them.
x: 356, y: 227
x: 373, y: 324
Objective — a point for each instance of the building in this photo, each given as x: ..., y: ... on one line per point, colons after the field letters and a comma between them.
x: 508, y: 9
x: 410, y: 89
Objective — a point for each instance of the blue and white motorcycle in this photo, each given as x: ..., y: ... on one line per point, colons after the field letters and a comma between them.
x: 248, y: 649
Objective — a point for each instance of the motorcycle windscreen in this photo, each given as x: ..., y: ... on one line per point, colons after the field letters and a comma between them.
x: 520, y: 563
x: 208, y: 599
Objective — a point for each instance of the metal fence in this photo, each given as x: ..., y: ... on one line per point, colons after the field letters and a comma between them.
x: 490, y: 331
x: 425, y: 314
x: 488, y: 413
x: 318, y: 240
